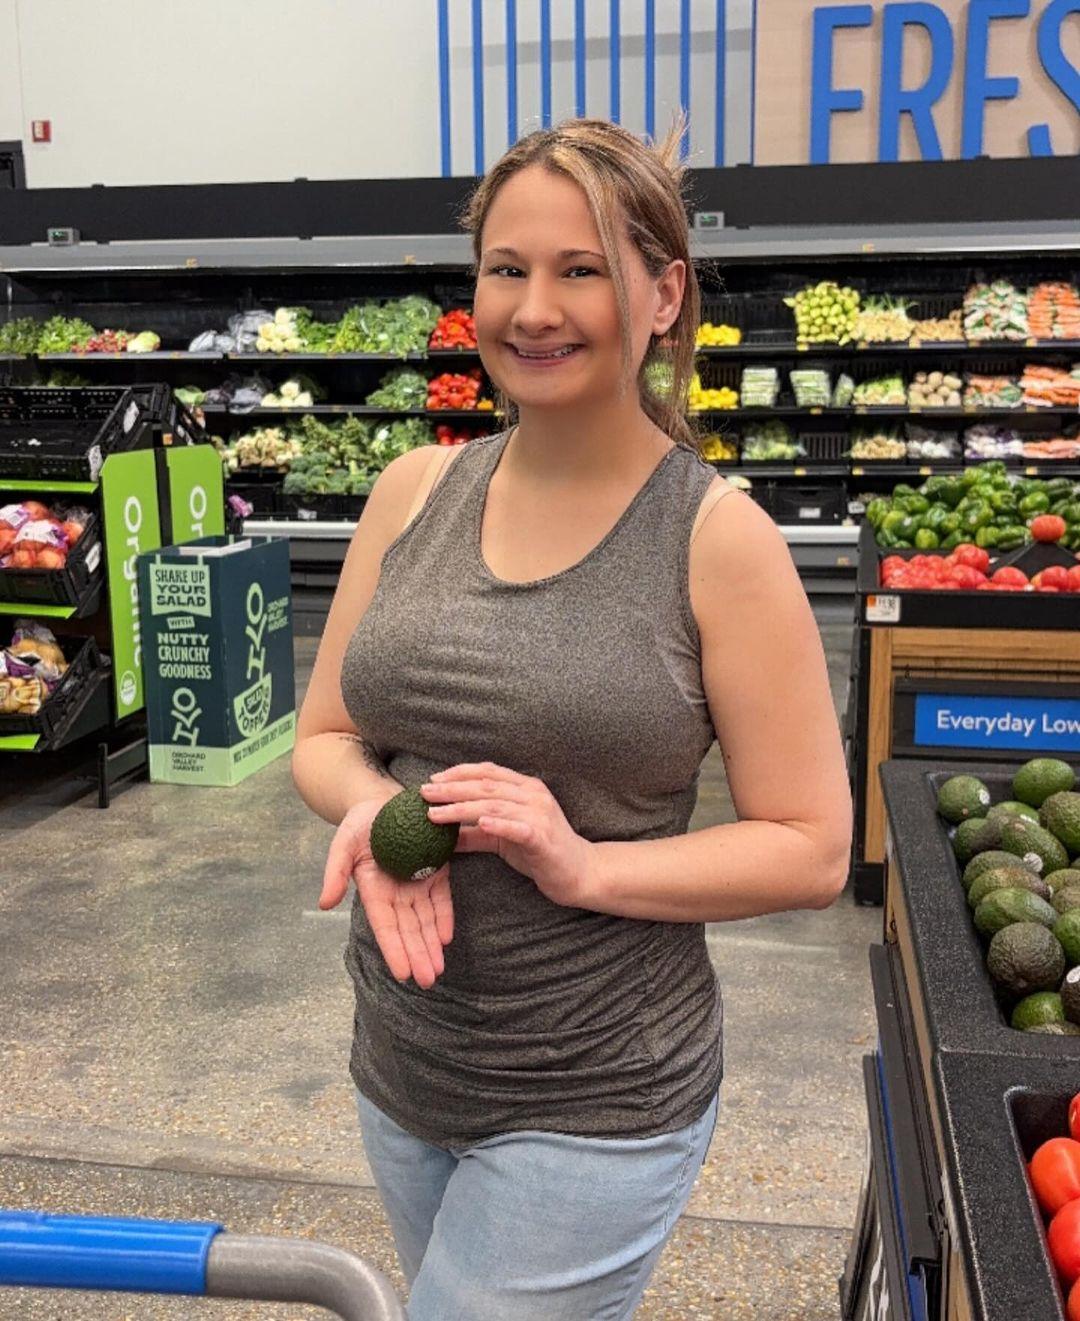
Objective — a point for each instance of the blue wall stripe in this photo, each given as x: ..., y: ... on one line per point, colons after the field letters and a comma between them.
x: 721, y: 76
x: 444, y: 85
x: 545, y: 63
x: 650, y: 67
x: 614, y: 44
x: 579, y: 57
x: 478, y: 84
x: 511, y: 73
x: 684, y: 70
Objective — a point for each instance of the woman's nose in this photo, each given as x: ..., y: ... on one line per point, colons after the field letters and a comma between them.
x: 538, y: 308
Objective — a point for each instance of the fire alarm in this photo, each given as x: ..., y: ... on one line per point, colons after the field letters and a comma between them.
x: 41, y: 130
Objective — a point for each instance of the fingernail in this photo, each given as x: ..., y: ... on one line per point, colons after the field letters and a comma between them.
x: 437, y: 776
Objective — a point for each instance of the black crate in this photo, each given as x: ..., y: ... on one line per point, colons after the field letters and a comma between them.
x: 807, y: 504
x: 313, y: 508
x: 77, y: 584
x: 264, y: 497
x: 823, y: 447
x: 77, y: 706
x: 67, y: 434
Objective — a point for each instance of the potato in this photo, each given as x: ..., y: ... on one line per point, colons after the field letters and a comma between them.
x: 935, y: 379
x: 920, y: 378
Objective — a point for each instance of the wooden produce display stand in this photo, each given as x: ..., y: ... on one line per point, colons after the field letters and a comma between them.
x: 931, y: 668
x: 957, y: 1100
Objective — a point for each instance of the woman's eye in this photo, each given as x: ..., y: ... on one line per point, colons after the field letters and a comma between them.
x: 503, y: 270
x: 583, y: 270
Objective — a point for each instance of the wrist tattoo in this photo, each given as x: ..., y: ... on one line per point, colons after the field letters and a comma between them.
x: 372, y: 760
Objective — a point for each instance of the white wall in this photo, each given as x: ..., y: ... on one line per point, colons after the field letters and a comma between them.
x: 194, y: 91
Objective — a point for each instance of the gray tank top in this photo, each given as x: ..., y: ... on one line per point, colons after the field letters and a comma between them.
x: 546, y: 1017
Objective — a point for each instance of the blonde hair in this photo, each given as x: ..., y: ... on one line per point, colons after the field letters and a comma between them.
x: 641, y: 183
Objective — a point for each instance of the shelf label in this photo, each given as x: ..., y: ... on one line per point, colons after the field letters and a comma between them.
x: 1031, y: 341
x: 800, y: 472
x: 1031, y: 472
x: 883, y: 610
x: 1043, y: 724
x: 815, y: 412
x: 925, y: 471
x: 857, y: 472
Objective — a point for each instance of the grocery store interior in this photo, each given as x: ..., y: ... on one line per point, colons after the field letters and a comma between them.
x: 222, y: 323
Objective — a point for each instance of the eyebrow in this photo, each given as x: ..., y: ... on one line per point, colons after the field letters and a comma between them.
x: 567, y: 252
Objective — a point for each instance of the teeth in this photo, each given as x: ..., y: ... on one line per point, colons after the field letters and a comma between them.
x: 556, y: 353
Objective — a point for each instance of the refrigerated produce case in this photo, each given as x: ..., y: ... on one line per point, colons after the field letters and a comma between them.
x: 958, y: 1100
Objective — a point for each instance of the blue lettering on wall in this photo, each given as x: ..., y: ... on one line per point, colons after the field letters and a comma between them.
x: 1058, y: 69
x: 826, y: 100
x: 918, y: 102
x: 978, y: 87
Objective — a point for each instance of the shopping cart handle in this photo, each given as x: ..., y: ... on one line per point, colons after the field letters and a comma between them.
x: 104, y: 1252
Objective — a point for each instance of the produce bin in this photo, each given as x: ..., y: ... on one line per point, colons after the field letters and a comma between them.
x: 78, y: 705
x: 808, y: 504
x: 77, y: 584
x: 66, y: 434
x: 919, y: 649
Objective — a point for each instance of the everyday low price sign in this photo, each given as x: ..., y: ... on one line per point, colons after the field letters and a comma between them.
x: 1035, y: 724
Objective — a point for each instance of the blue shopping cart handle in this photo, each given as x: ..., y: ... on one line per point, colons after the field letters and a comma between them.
x: 104, y: 1252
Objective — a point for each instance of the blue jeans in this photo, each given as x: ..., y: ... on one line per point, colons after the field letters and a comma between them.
x: 531, y: 1226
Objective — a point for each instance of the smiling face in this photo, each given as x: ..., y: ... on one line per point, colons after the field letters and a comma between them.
x: 547, y: 317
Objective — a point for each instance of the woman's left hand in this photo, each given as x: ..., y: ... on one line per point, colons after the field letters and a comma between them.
x: 517, y: 817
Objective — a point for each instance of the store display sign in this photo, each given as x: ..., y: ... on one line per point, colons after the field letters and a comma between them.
x: 196, y: 493
x: 940, y: 80
x: 1036, y: 724
x: 218, y: 643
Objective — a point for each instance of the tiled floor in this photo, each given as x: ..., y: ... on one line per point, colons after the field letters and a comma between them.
x: 176, y: 1023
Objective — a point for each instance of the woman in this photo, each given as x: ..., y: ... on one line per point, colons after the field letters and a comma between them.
x: 547, y: 628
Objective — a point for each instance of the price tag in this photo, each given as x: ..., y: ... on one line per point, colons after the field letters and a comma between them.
x: 883, y: 610
x: 857, y: 472
x: 843, y: 561
x: 800, y: 472
x: 815, y: 412
x: 191, y: 262
x: 1031, y: 472
x: 925, y: 471
x: 1030, y: 408
x: 914, y: 342
x: 860, y: 408
x: 1031, y: 342
x: 970, y: 408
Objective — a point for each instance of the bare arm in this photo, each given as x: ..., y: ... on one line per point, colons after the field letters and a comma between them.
x: 767, y: 685
x: 333, y: 766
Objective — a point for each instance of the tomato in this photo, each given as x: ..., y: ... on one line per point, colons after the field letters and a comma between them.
x: 1056, y: 575
x: 1063, y: 1240
x: 1008, y: 576
x: 966, y: 577
x: 892, y: 562
x: 975, y: 556
x: 1047, y: 527
x: 1055, y: 1173
x: 1073, y: 576
x: 1073, y: 1309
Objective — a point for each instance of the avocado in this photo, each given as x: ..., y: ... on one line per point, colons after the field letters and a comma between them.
x: 976, y: 835
x: 1026, y: 957
x: 1042, y: 1007
x: 1065, y: 898
x: 1001, y: 908
x: 1061, y: 880
x: 1067, y: 930
x: 1060, y: 814
x: 1011, y: 808
x: 1055, y: 1029
x: 406, y: 843
x: 989, y: 861
x: 1037, y: 779
x: 1034, y: 844
x: 961, y: 797
x: 1006, y: 878
x: 1069, y: 991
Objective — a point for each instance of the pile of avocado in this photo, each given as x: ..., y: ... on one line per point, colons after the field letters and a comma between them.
x: 983, y: 505
x: 1023, y: 888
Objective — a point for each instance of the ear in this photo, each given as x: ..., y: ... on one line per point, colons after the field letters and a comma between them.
x: 669, y: 289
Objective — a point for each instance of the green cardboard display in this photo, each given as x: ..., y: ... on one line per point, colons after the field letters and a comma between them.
x: 218, y: 658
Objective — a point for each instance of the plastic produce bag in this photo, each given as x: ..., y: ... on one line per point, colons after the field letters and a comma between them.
x: 244, y: 328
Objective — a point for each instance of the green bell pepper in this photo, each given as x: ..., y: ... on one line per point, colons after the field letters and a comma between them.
x: 987, y: 537
x: 977, y: 515
x: 893, y: 520
x: 926, y: 539
x: 951, y: 541
x: 1038, y: 502
x: 876, y: 511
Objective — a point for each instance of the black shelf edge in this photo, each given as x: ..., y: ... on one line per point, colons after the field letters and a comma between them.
x: 927, y: 348
x: 359, y: 410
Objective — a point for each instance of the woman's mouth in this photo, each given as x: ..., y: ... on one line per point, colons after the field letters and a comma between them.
x: 545, y: 356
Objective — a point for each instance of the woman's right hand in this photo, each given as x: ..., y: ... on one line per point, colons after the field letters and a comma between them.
x: 411, y: 920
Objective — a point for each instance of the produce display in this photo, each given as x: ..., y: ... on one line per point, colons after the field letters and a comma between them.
x: 402, y: 389
x: 940, y: 330
x: 995, y: 311
x: 345, y: 457
x: 35, y: 536
x: 877, y: 445
x: 984, y: 504
x: 883, y: 321
x: 967, y: 569
x: 759, y: 387
x: 1022, y: 889
x: 700, y: 398
x: 31, y: 666
x: 1058, y: 448
x: 825, y: 313
x: 455, y: 390
x: 296, y: 393
x: 455, y: 329
x: 811, y: 387
x: 986, y: 441
x: 398, y: 326
x: 770, y: 442
x: 881, y: 392
x: 923, y: 443
x: 1054, y: 311
x: 991, y: 392
x: 272, y: 449
x: 719, y: 449
x: 843, y: 391
x: 445, y: 434
x: 710, y: 336
x: 1054, y: 1168
x: 1050, y: 387
x: 934, y: 390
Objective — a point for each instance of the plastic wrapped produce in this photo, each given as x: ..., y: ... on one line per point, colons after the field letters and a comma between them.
x: 883, y: 321
x: 1050, y: 387
x: 990, y: 442
x: 759, y: 387
x: 996, y: 311
x: 992, y: 391
x: 879, y: 444
x: 811, y: 387
x: 923, y: 444
x: 881, y: 392
x: 843, y: 391
x: 770, y: 442
x: 1054, y: 311
x: 940, y: 330
x: 935, y: 390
